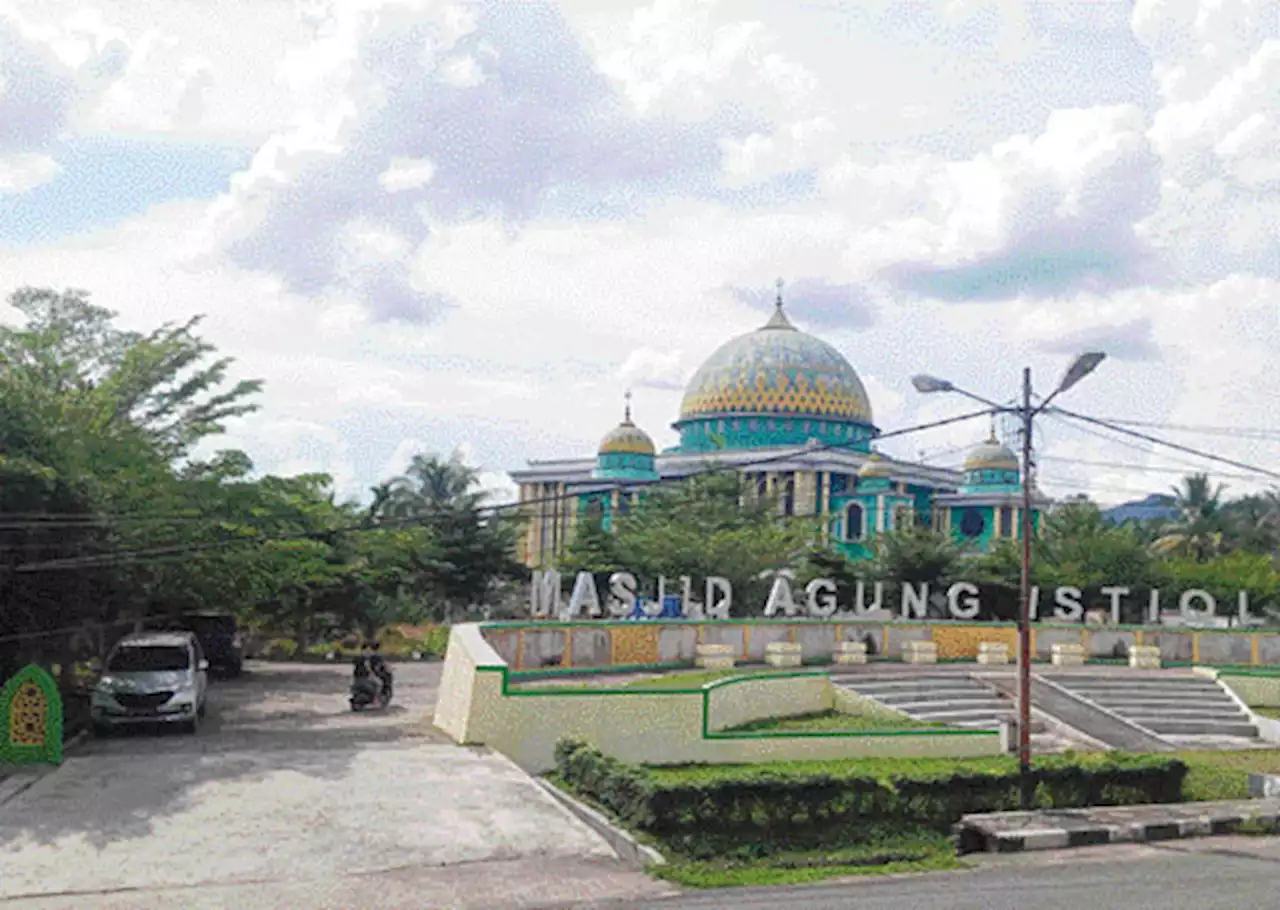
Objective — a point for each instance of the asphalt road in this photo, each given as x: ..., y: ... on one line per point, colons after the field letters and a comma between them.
x: 287, y: 799
x: 1232, y: 873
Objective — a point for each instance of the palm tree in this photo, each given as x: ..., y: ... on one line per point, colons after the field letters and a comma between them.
x: 1198, y: 531
x: 430, y: 485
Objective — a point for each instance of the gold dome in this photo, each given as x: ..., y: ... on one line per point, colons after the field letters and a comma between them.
x: 627, y: 438
x: 875, y: 466
x: 991, y: 456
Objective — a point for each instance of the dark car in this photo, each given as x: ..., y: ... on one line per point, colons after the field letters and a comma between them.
x: 219, y: 638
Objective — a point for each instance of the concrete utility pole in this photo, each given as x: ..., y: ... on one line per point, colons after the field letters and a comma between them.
x: 1080, y: 368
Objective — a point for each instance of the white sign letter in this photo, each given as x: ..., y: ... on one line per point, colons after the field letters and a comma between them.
x: 780, y: 598
x: 1068, y: 607
x: 1184, y: 603
x: 584, y: 595
x: 822, y: 597
x: 1034, y: 609
x: 1153, y: 607
x: 718, y: 608
x: 1115, y: 592
x: 544, y: 596
x: 622, y: 585
x: 972, y: 604
x: 860, y: 606
x: 1242, y: 607
x: 915, y: 600
x: 689, y: 608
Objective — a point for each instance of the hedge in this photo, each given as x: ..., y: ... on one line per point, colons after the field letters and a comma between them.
x: 757, y: 812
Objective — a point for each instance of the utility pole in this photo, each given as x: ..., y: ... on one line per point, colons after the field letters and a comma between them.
x: 1024, y: 605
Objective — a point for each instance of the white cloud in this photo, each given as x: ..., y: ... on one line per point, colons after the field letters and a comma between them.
x: 25, y: 171
x: 406, y: 174
x: 459, y: 226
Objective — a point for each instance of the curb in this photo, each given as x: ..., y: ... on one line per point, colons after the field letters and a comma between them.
x: 24, y: 777
x: 1026, y: 840
x: 629, y: 850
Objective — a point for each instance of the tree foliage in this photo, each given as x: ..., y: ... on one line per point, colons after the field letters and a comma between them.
x: 108, y: 511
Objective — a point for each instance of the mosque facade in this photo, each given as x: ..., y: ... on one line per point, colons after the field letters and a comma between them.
x: 789, y: 412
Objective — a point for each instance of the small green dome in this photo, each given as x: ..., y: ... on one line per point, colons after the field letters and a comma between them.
x: 627, y: 438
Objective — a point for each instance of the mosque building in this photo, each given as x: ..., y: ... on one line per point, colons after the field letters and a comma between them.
x: 788, y: 411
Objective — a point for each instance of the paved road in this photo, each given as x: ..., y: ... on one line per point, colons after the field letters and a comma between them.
x: 285, y: 798
x: 1225, y: 872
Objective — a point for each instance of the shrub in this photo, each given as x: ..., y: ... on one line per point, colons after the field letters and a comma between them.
x: 280, y: 649
x: 756, y: 812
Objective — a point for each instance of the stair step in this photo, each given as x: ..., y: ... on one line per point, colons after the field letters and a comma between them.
x: 958, y: 714
x: 1202, y: 728
x: 931, y: 695
x: 1201, y: 704
x: 994, y: 706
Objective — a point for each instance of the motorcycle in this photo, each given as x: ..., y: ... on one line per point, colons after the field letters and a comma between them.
x: 369, y: 690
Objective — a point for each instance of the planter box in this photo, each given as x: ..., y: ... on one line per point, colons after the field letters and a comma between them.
x: 920, y: 652
x: 783, y: 654
x: 1144, y: 657
x: 714, y: 657
x: 851, y: 652
x: 993, y: 652
x: 1068, y: 655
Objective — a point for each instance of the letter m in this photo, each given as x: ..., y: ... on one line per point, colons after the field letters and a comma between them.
x: 544, y: 595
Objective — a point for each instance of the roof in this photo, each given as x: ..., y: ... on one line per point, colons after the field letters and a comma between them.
x: 157, y: 639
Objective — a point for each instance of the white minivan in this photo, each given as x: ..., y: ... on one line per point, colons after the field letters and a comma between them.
x: 155, y: 677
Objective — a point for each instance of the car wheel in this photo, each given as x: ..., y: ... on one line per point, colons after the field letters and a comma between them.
x: 191, y: 726
x: 203, y: 709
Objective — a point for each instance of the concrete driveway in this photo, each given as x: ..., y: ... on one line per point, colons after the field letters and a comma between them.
x: 285, y: 798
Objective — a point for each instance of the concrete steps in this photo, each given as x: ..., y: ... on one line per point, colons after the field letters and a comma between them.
x: 953, y: 700
x: 1172, y: 706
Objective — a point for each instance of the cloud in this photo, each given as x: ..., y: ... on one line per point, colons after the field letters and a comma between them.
x: 1036, y: 216
x: 37, y: 90
x: 650, y: 368
x: 25, y: 171
x: 501, y: 100
x: 816, y: 302
x: 1132, y: 340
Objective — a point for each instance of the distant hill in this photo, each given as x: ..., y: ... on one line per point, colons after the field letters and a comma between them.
x: 1156, y: 507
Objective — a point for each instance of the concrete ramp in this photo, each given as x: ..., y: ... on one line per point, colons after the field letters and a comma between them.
x: 1105, y: 726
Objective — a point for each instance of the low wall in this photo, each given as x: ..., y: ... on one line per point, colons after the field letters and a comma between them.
x: 478, y: 705
x: 599, y: 644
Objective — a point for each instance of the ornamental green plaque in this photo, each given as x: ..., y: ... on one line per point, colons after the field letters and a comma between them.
x: 31, y: 718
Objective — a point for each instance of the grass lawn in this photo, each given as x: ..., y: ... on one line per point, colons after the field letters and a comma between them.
x: 692, y: 679
x: 1225, y: 775
x: 924, y: 852
x: 1273, y: 713
x: 831, y: 722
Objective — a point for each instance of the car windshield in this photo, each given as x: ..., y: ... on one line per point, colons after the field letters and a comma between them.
x: 149, y: 658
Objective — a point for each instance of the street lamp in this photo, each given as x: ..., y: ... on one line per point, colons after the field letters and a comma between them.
x: 1079, y: 369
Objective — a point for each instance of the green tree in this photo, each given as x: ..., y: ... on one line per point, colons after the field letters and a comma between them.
x: 1198, y: 531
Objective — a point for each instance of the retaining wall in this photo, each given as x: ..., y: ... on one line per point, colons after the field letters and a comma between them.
x: 567, y: 645
x: 478, y: 704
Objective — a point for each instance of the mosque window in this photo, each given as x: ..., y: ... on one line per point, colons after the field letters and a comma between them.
x: 624, y: 503
x: 789, y: 496
x: 972, y: 524
x: 762, y: 485
x: 808, y: 426
x: 1006, y: 521
x: 903, y: 517
x: 839, y: 483
x: 853, y: 522
x: 595, y: 508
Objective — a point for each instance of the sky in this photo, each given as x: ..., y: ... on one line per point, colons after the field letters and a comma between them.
x: 438, y: 226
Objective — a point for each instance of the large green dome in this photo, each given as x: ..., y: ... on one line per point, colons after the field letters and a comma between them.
x: 791, y: 387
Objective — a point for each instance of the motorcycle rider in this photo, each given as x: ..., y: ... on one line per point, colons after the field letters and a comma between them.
x: 380, y: 669
x: 360, y: 676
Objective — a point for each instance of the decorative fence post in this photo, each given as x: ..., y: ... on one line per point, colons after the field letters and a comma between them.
x: 31, y: 718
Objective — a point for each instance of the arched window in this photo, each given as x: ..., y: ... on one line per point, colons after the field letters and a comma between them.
x: 903, y: 517
x: 853, y: 522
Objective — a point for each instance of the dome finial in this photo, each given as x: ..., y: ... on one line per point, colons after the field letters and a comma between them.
x: 627, y: 411
x: 992, y: 437
x: 779, y: 319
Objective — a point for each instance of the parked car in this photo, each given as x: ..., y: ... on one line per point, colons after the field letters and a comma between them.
x: 152, y: 677
x: 218, y: 634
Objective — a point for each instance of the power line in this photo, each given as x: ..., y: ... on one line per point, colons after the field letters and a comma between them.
x: 106, y: 560
x: 1137, y: 467
x: 1259, y: 433
x: 1105, y: 437
x: 1155, y: 440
